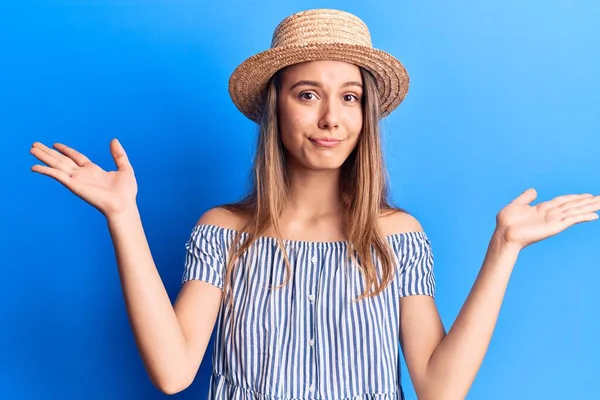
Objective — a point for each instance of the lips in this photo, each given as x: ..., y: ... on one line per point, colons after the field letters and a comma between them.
x: 325, y: 142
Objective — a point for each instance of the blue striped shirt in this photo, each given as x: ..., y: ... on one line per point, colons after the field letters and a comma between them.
x: 308, y: 340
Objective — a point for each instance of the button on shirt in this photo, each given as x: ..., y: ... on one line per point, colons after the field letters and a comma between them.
x: 307, y: 339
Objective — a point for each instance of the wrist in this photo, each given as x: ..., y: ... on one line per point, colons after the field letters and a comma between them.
x: 499, y: 241
x: 123, y: 217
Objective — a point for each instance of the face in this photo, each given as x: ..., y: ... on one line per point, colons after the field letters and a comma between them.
x: 320, y: 113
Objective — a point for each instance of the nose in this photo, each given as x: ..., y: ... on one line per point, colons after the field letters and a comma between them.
x: 329, y: 116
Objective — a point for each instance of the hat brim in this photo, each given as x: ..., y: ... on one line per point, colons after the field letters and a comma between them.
x: 249, y: 79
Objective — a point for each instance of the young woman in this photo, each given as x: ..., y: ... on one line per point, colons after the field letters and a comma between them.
x: 314, y: 278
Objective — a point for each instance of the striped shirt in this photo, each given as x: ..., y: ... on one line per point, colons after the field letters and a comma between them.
x: 308, y: 340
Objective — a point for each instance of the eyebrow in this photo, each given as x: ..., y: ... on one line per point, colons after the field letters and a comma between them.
x: 319, y: 85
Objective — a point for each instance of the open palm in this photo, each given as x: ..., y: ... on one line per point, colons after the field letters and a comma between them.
x: 522, y: 224
x: 109, y: 191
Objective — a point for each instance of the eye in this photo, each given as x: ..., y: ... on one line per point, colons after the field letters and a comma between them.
x: 307, y: 96
x: 350, y: 97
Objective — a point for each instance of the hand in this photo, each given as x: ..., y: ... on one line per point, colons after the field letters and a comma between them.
x: 521, y: 225
x: 110, y: 192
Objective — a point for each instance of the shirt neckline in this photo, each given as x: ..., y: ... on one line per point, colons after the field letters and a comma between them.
x: 272, y: 239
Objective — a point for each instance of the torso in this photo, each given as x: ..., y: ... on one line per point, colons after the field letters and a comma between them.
x: 309, y: 338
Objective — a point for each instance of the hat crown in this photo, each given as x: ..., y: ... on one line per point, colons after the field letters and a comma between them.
x: 321, y: 26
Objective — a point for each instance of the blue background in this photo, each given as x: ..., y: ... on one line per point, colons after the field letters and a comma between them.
x: 504, y: 96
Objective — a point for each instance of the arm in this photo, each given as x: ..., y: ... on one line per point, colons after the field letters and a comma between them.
x: 171, y: 340
x: 445, y: 366
x: 454, y: 364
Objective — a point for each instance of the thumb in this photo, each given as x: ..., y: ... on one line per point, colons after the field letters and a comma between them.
x: 526, y: 197
x: 119, y: 155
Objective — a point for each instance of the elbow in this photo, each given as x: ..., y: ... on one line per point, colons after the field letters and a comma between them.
x: 442, y: 385
x: 438, y: 393
x: 440, y: 396
x: 171, y: 388
x: 439, y: 390
x: 171, y: 385
x: 172, y: 377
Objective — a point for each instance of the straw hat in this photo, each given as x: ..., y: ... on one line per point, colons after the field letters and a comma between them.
x: 321, y: 34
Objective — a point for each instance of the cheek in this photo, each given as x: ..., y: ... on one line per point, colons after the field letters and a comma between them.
x: 290, y: 131
x: 356, y: 121
x: 354, y: 125
x: 293, y: 122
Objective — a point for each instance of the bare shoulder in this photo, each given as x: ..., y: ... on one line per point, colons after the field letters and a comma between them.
x: 394, y: 222
x: 222, y: 217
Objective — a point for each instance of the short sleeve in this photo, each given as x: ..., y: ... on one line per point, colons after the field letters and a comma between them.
x: 203, y: 256
x: 416, y: 274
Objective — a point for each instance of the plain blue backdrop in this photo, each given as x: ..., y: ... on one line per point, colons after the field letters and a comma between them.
x: 504, y: 96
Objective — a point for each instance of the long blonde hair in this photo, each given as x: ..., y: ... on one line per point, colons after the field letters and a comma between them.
x: 363, y: 188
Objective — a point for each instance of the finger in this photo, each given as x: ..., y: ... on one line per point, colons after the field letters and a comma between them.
x: 526, y: 197
x: 78, y: 158
x: 57, y: 174
x: 561, y: 200
x: 55, y: 154
x: 576, y: 219
x: 51, y: 160
x: 577, y: 202
x: 119, y: 155
x: 584, y: 206
x: 45, y: 149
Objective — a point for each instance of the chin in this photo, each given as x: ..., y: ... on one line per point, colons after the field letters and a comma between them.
x: 319, y: 162
x: 325, y: 166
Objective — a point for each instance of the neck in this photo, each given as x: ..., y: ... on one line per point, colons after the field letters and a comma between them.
x: 314, y: 195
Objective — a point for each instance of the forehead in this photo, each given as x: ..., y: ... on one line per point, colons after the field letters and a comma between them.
x: 325, y: 71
